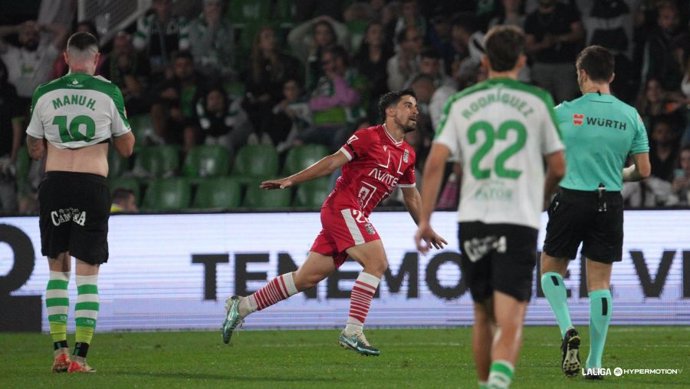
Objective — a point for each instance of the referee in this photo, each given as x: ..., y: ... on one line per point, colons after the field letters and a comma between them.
x: 599, y: 132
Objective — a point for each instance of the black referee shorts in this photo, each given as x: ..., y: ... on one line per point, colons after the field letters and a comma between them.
x: 583, y: 217
x: 74, y: 212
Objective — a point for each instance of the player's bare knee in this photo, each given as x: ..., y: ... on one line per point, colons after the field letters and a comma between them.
x: 376, y: 268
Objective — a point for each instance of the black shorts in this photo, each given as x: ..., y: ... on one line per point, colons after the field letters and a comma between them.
x: 583, y: 217
x: 498, y: 257
x: 74, y: 212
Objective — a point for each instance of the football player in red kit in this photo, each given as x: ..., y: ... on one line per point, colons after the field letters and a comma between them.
x: 374, y: 162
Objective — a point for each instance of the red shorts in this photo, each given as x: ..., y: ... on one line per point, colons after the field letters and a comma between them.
x: 341, y: 230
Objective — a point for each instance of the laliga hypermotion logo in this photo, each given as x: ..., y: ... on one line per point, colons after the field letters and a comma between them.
x: 578, y: 118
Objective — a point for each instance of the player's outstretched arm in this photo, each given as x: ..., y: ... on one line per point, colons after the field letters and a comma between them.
x: 431, y: 183
x: 413, y: 203
x: 323, y: 167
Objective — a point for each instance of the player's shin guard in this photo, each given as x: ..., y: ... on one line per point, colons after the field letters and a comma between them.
x: 278, y: 289
x: 556, y: 295
x: 86, y: 312
x: 360, y: 300
x: 599, y: 318
x: 57, y: 306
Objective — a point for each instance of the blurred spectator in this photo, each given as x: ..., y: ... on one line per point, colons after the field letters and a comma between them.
x: 124, y: 200
x: 685, y: 89
x: 60, y: 66
x: 60, y: 12
x: 424, y: 87
x: 411, y: 17
x: 405, y: 62
x: 664, y: 148
x: 439, y: 36
x: 510, y: 13
x: 174, y: 109
x: 221, y: 121
x: 430, y: 64
x: 291, y: 116
x: 10, y: 141
x: 467, y: 47
x: 653, y: 102
x: 269, y: 68
x: 213, y: 42
x: 658, y: 58
x: 370, y: 61
x: 308, y: 9
x: 129, y: 70
x: 30, y: 64
x: 311, y: 38
x: 389, y: 17
x: 159, y: 35
x: 681, y: 180
x: 554, y: 35
x: 610, y: 24
x: 334, y: 101
x: 357, y: 17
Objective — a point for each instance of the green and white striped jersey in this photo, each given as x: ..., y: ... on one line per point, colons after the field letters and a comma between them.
x: 499, y: 130
x: 77, y: 110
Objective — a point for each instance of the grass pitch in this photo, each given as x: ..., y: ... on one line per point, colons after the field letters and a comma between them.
x: 410, y: 358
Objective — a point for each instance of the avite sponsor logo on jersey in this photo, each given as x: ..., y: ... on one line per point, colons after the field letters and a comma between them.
x: 406, y: 156
x: 578, y: 119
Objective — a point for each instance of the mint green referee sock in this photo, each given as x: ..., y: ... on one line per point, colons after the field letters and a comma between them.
x: 599, y: 319
x: 557, y: 296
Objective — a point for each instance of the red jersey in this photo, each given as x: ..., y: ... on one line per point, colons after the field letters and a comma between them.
x: 378, y: 163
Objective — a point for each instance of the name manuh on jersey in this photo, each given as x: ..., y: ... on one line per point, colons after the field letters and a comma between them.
x: 74, y: 99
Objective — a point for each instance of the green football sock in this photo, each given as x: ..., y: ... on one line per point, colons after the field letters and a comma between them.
x: 86, y: 309
x: 57, y: 305
x: 500, y: 375
x: 557, y: 296
x: 600, y: 306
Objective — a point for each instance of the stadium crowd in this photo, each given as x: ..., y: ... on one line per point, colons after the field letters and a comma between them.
x: 238, y: 90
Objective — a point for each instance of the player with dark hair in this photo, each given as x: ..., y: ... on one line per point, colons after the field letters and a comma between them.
x: 500, y: 130
x: 374, y: 162
x: 73, y: 118
x: 600, y: 133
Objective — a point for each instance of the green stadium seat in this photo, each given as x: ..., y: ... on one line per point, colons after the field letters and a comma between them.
x: 126, y: 183
x: 142, y: 128
x: 157, y: 161
x: 311, y: 194
x: 206, y: 161
x: 167, y: 194
x: 243, y: 12
x: 218, y: 193
x: 266, y: 199
x: 300, y: 157
x: 285, y: 13
x: 255, y: 162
